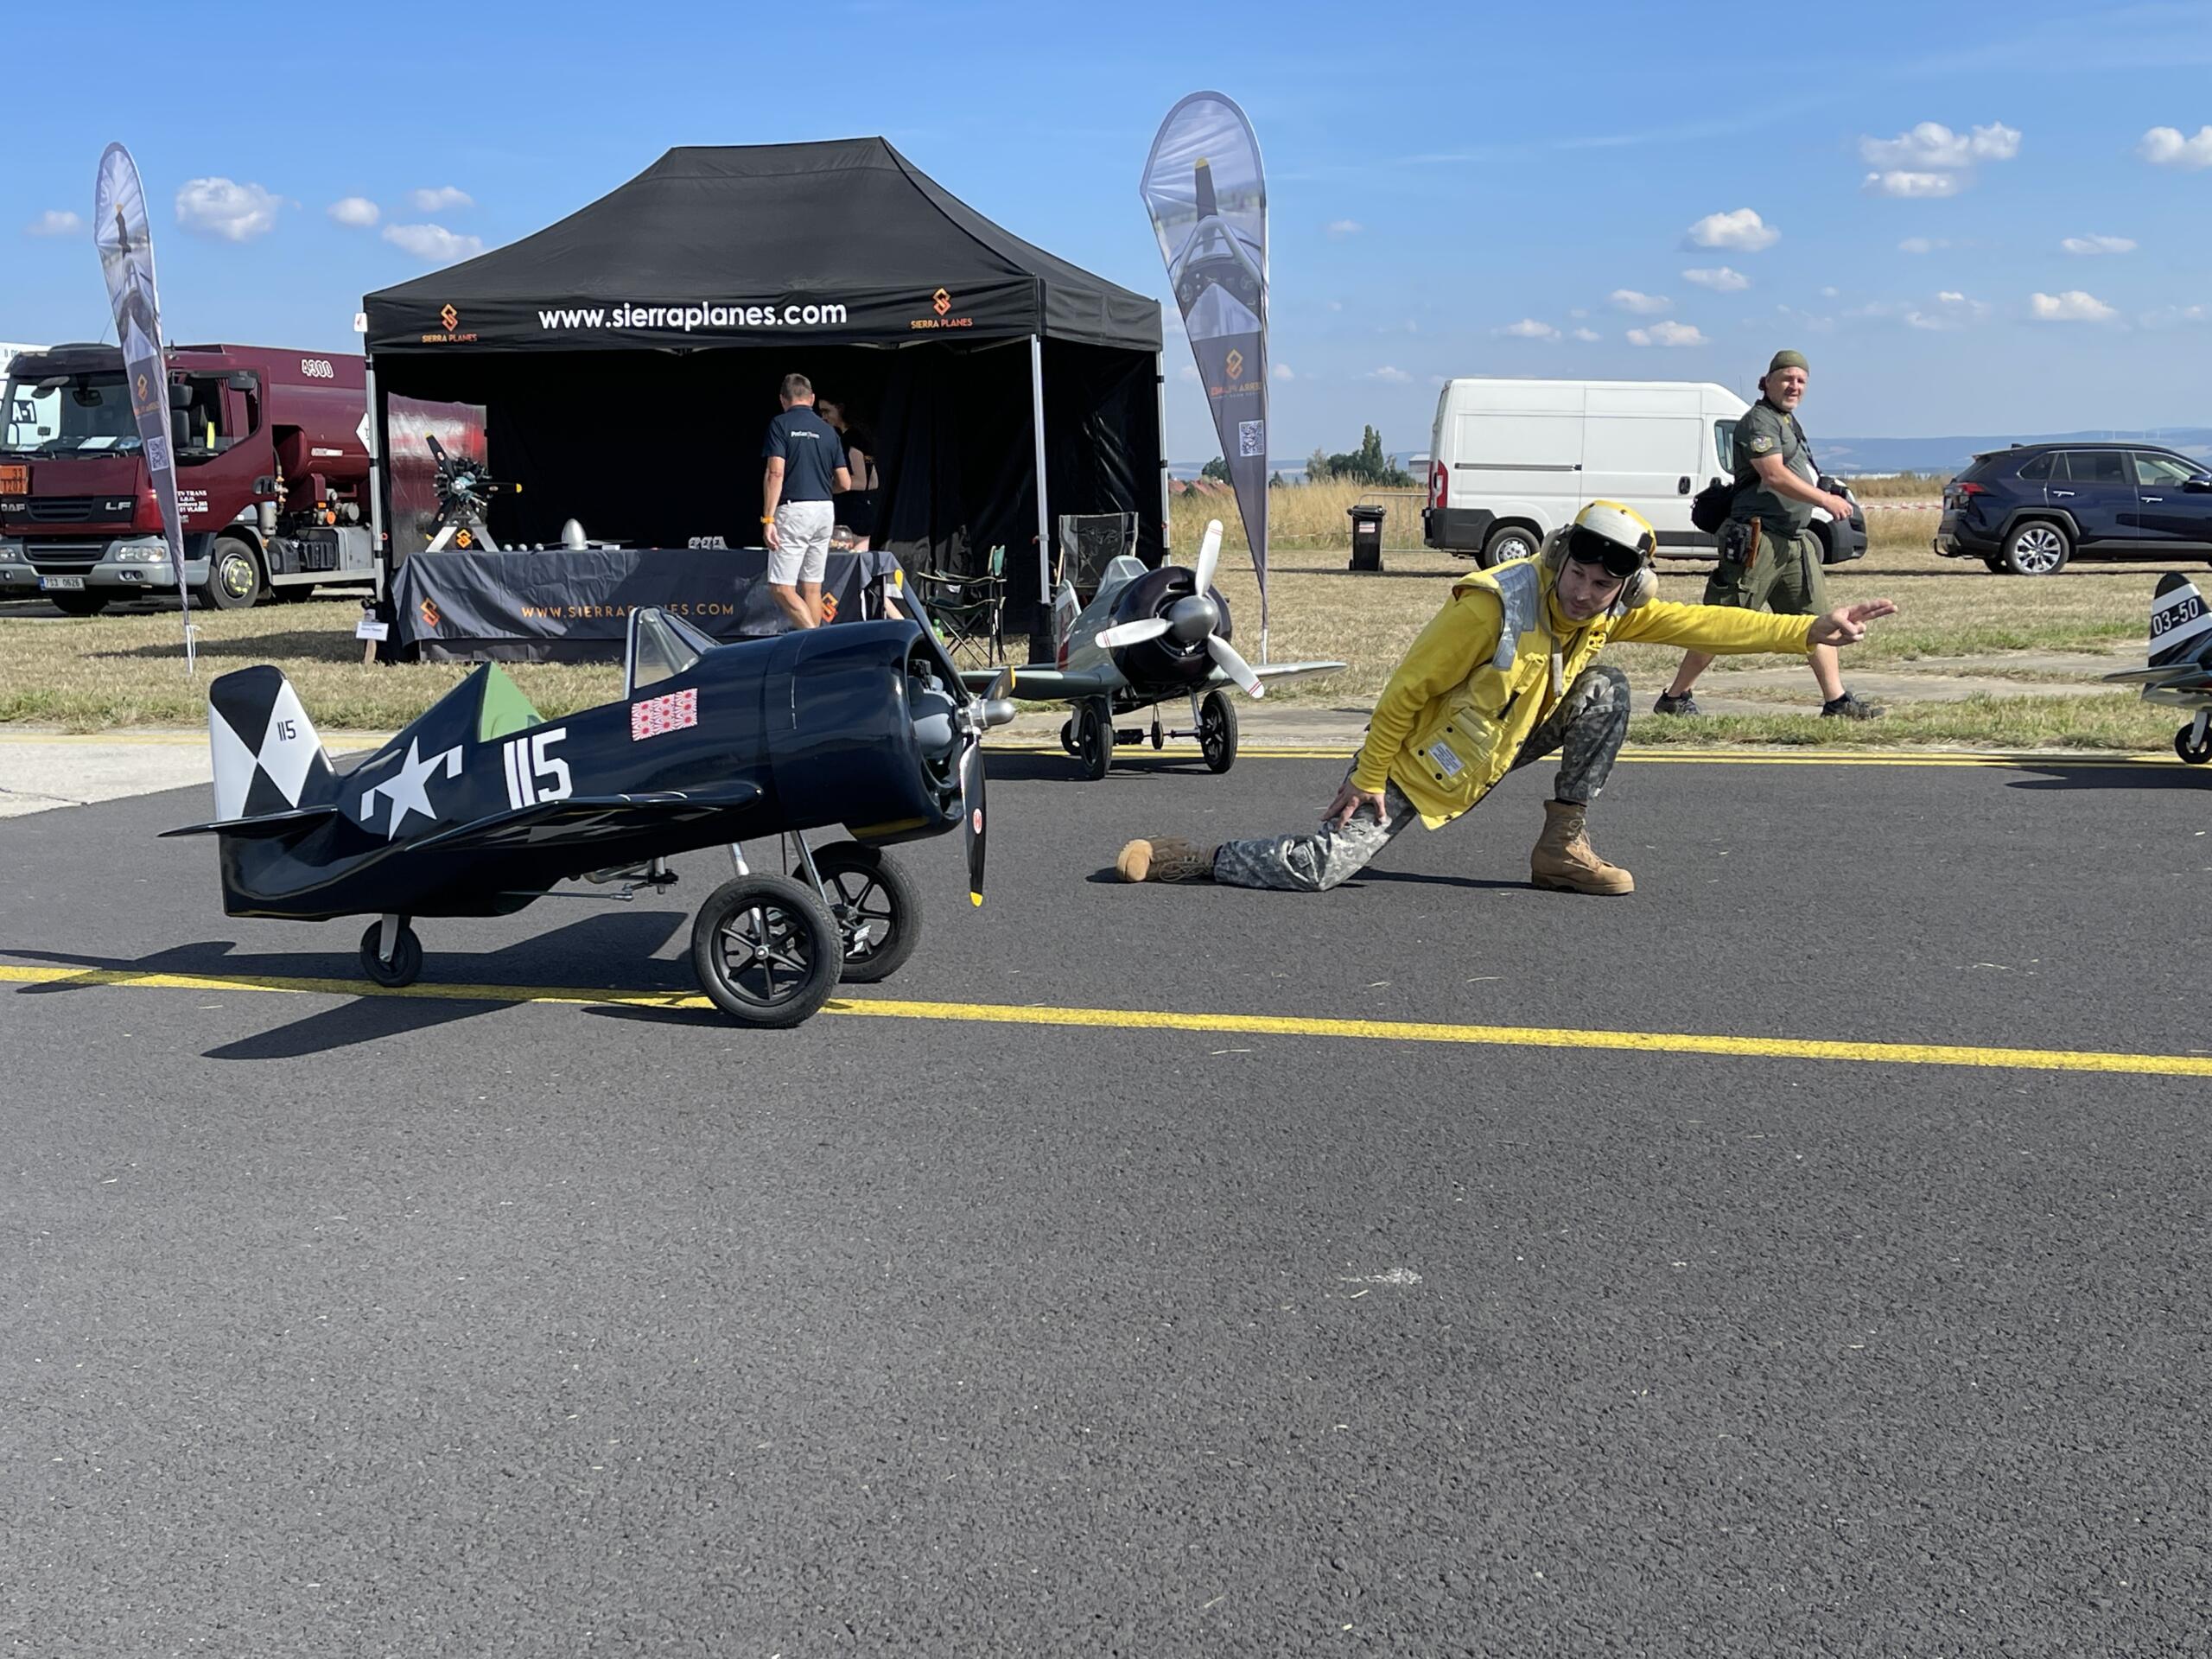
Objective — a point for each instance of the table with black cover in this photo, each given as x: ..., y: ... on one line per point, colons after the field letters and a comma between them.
x: 573, y: 605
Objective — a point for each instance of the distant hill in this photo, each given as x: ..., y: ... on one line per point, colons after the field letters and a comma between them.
x: 1853, y: 455
x: 1950, y: 456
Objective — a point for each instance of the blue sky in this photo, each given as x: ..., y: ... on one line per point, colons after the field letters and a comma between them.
x: 1438, y: 177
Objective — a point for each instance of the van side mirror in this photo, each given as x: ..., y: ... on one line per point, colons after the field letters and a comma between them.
x: 179, y: 395
x: 243, y: 380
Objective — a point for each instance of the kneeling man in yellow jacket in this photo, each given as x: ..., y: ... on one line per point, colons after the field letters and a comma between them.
x: 1505, y: 674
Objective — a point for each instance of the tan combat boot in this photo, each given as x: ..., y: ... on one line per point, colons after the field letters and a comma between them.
x: 1563, y: 859
x: 1166, y: 858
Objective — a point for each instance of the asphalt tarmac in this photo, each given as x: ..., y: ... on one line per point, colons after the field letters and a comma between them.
x: 1501, y: 1273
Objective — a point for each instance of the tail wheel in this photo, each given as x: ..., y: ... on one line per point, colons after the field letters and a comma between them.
x: 1217, y: 731
x: 878, y: 913
x: 406, y: 956
x: 2197, y: 754
x: 767, y: 953
x: 233, y: 575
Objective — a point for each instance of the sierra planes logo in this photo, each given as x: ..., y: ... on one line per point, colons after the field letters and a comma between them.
x: 941, y: 302
x: 450, y: 320
x: 429, y: 612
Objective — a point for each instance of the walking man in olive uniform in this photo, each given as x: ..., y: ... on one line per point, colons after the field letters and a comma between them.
x: 1769, y: 558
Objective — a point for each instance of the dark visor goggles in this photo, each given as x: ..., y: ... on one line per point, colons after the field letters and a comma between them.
x: 1588, y: 547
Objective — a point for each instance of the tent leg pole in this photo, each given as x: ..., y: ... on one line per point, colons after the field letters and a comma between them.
x: 1044, y: 508
x: 376, y: 481
x: 1159, y: 391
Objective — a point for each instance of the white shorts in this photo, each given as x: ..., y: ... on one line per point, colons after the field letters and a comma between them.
x: 804, y: 529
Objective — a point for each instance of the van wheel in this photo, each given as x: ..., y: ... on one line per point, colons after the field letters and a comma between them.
x: 2038, y: 548
x: 233, y: 576
x: 1508, y: 542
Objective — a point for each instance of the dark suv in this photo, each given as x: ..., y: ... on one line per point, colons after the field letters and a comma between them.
x: 2029, y: 509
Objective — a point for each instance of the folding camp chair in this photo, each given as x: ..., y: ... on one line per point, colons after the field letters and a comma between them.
x: 1088, y: 542
x: 967, y: 608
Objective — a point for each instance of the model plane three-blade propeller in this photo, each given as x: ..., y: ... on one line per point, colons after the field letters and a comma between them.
x: 1192, y: 618
x: 984, y: 712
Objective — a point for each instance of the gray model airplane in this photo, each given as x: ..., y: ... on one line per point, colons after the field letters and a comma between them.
x: 2179, y: 672
x: 1146, y: 638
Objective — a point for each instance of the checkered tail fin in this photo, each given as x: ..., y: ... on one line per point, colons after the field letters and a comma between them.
x: 2181, y: 626
x: 267, y: 756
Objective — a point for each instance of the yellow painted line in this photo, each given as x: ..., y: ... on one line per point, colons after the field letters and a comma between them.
x: 1384, y: 1031
x: 1685, y: 757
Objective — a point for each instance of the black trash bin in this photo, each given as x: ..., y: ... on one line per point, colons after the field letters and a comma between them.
x: 1367, y: 535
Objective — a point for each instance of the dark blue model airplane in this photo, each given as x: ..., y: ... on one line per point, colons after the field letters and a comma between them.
x: 481, y: 805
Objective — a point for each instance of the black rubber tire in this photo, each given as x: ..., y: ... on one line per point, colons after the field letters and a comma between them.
x: 1508, y: 542
x: 1067, y: 735
x: 1997, y: 567
x: 77, y: 604
x: 864, y: 879
x: 230, y: 567
x: 791, y: 920
x: 1159, y: 731
x: 1093, y: 737
x: 1217, y: 730
x: 2196, y: 757
x: 406, y: 956
x: 2037, y: 547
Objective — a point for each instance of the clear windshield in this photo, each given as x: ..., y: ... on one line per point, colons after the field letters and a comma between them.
x: 64, y: 415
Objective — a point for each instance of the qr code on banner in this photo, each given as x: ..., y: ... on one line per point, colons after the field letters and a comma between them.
x: 157, y: 455
x: 1251, y: 438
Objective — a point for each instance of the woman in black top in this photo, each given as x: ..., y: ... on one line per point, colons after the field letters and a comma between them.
x: 855, y: 508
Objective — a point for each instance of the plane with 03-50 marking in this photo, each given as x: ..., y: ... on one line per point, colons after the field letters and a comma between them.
x: 481, y: 805
x: 1148, y: 637
x: 2179, y: 672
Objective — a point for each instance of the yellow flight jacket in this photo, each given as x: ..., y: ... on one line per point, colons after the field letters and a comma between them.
x: 1479, y: 680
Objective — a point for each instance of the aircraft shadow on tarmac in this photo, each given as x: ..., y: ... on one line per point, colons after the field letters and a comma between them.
x: 630, y: 936
x: 2081, y: 774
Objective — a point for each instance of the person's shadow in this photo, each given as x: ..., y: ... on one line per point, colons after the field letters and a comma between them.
x: 2112, y: 775
x: 632, y: 936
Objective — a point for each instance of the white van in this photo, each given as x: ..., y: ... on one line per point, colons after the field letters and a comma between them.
x: 1512, y: 461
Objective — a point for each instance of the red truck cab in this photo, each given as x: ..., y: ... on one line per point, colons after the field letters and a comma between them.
x: 272, y: 475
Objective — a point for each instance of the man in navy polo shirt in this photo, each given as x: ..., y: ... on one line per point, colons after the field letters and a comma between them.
x: 806, y: 467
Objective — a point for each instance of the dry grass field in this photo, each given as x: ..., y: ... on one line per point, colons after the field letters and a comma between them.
x: 88, y: 674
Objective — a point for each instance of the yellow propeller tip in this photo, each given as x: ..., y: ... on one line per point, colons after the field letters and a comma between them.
x: 976, y: 899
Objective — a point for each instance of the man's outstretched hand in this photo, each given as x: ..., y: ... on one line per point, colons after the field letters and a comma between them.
x: 1846, y: 623
x: 1350, y: 799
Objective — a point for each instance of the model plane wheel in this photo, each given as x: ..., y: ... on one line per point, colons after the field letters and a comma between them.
x: 2195, y: 753
x: 1094, y: 738
x: 878, y: 913
x: 1159, y: 733
x: 1067, y: 735
x: 766, y: 951
x: 1217, y: 731
x: 406, y: 956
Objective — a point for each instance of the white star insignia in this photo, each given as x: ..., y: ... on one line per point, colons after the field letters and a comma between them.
x: 408, y: 789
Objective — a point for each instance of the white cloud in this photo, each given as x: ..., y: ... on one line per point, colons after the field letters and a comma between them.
x: 1587, y: 334
x: 1952, y: 310
x: 433, y: 243
x: 1396, y: 377
x: 442, y: 199
x: 1282, y: 371
x: 1915, y: 187
x: 2165, y: 147
x: 356, y: 211
x: 1828, y: 293
x: 235, y: 212
x: 1667, y: 333
x: 2098, y: 244
x: 1336, y: 305
x: 1530, y: 328
x: 1642, y: 305
x: 55, y: 222
x: 1933, y: 145
x: 1721, y: 279
x: 2168, y: 316
x: 2072, y: 306
x: 1337, y: 229
x: 1742, y: 231
x: 1922, y: 244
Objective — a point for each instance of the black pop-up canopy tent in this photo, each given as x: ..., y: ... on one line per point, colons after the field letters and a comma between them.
x: 627, y: 358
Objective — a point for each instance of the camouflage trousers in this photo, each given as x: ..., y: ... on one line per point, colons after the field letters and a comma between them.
x: 1586, y: 729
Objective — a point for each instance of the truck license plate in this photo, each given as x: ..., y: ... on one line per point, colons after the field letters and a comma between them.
x: 60, y: 584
